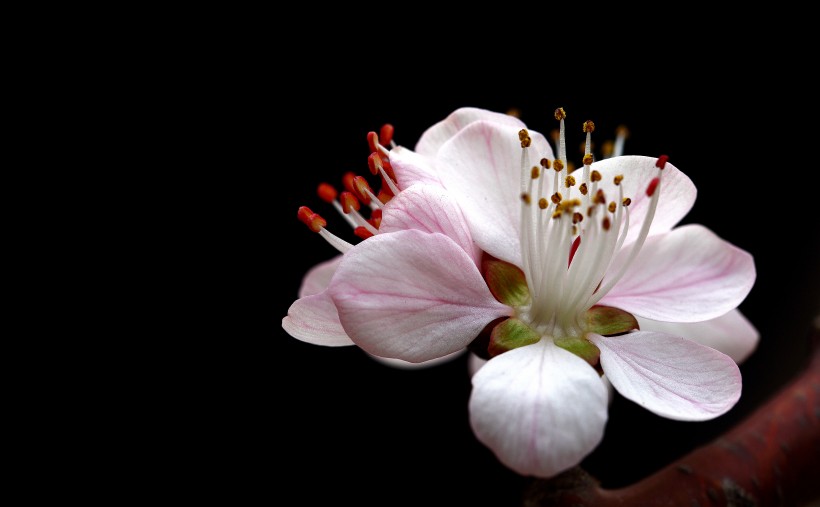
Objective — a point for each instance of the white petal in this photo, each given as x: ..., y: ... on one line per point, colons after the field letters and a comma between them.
x: 411, y: 168
x: 434, y: 137
x: 731, y: 334
x: 669, y: 375
x: 686, y: 275
x: 677, y: 194
x: 481, y: 167
x: 540, y: 408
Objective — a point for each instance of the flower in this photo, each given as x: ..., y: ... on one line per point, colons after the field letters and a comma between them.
x: 568, y: 267
x: 423, y: 208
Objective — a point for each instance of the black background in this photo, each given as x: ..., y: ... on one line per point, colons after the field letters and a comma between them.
x: 331, y: 425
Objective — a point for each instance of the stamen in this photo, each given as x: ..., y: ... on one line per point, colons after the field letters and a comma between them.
x: 618, y: 179
x: 577, y: 217
x: 621, y: 133
x: 607, y: 148
x: 661, y: 162
x: 583, y: 189
x: 556, y: 197
x: 526, y: 198
x: 650, y: 190
x: 606, y: 224
x: 535, y: 172
x: 317, y: 224
x: 560, y: 115
x: 570, y: 181
x: 326, y: 192
x: 588, y: 159
x: 545, y: 163
x: 558, y: 166
x: 386, y: 134
x: 574, y: 248
x: 542, y: 203
x: 349, y: 202
x: 600, y: 198
x: 362, y: 232
x: 595, y: 176
x: 612, y: 207
x: 626, y: 201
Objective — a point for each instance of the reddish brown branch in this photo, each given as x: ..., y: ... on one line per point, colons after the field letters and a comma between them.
x: 772, y: 458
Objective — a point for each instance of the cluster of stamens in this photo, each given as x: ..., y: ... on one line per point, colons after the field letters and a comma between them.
x: 569, y: 239
x: 357, y: 191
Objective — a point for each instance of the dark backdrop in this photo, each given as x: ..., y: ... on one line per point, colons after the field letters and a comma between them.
x: 337, y: 427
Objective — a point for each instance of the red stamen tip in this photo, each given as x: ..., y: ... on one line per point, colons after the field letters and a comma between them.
x: 385, y: 195
x: 374, y: 162
x: 361, y: 189
x: 376, y: 218
x: 349, y: 202
x: 373, y: 141
x: 311, y: 219
x: 386, y: 134
x: 573, y: 249
x: 661, y: 163
x: 347, y: 181
x: 362, y: 232
x: 650, y: 190
x: 326, y: 192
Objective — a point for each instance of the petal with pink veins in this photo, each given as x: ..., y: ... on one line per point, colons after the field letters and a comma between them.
x: 731, y: 333
x: 481, y: 167
x: 430, y: 209
x: 313, y: 319
x: 677, y: 194
x: 670, y: 376
x: 412, y: 295
x: 411, y: 168
x: 434, y: 137
x: 539, y: 408
x: 686, y: 275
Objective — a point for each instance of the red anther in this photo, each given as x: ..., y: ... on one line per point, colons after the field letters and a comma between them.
x: 326, y: 192
x: 362, y: 232
x: 349, y: 202
x: 384, y: 194
x: 661, y: 163
x: 361, y: 189
x: 386, y: 134
x: 573, y: 249
x: 311, y: 219
x: 373, y: 141
x: 374, y: 162
x: 347, y: 181
x: 652, y: 186
x: 376, y: 218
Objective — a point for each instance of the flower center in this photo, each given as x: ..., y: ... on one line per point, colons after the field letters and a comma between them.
x: 569, y: 238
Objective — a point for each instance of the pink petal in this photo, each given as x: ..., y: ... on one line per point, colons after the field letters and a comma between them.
x: 686, y: 275
x: 313, y: 319
x: 412, y: 296
x: 318, y: 278
x: 481, y: 167
x: 539, y: 408
x: 434, y: 137
x: 412, y: 168
x: 677, y: 195
x: 731, y: 334
x: 406, y: 365
x: 429, y: 208
x: 670, y: 376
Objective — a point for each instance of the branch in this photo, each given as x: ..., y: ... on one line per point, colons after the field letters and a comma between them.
x: 770, y: 459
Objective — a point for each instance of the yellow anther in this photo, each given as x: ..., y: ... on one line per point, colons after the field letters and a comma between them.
x: 589, y: 126
x: 618, y: 179
x: 526, y: 198
x: 570, y: 181
x: 583, y: 189
x: 523, y: 134
x: 557, y: 165
x: 545, y: 163
x: 560, y: 114
x: 612, y: 207
x: 535, y: 172
x: 588, y: 158
x: 606, y: 224
x: 543, y: 203
x: 556, y: 214
x: 595, y: 176
x: 608, y: 148
x: 577, y: 217
x: 556, y: 197
x: 627, y: 201
x: 622, y: 131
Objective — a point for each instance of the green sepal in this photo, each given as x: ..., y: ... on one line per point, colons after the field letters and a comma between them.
x: 581, y: 347
x: 506, y: 281
x: 511, y: 334
x: 609, y: 321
